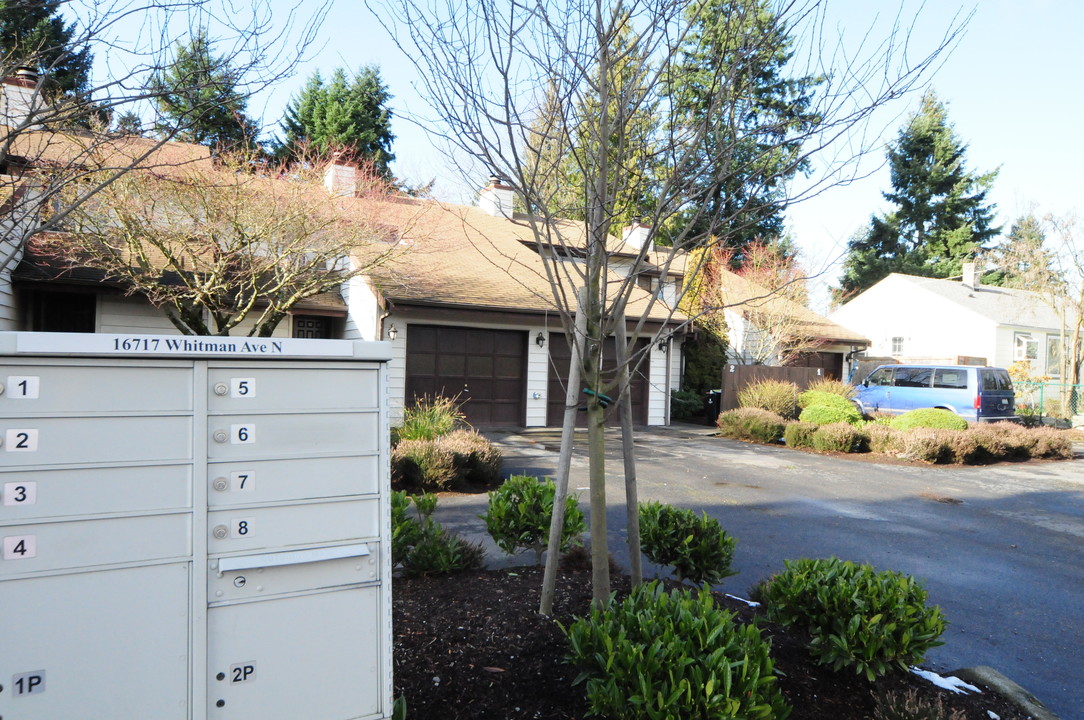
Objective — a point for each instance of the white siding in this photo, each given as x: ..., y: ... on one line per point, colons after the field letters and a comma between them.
x: 362, y: 308
x: 397, y: 368
x: 538, y: 364
x: 8, y: 314
x: 658, y: 380
x: 932, y: 328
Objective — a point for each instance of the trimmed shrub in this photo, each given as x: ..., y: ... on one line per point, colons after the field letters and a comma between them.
x: 519, y: 515
x: 833, y: 387
x: 1002, y: 440
x: 927, y: 445
x: 777, y: 396
x: 422, y: 465
x: 420, y: 546
x: 818, y: 397
x: 857, y: 618
x: 839, y: 437
x: 827, y: 414
x: 685, y: 404
x: 428, y: 419
x: 751, y: 424
x: 884, y: 439
x: 929, y: 418
x: 475, y: 459
x: 799, y: 434
x: 696, y: 546
x: 673, y: 656
x: 1050, y: 443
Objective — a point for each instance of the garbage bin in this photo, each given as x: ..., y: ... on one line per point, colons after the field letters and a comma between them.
x: 712, y: 401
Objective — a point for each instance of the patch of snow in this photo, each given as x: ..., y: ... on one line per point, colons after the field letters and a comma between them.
x: 951, y: 683
x: 750, y: 603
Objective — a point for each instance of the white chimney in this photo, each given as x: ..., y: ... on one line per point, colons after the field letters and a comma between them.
x: 19, y: 97
x: 341, y: 178
x: 636, y: 235
x: 496, y: 199
x: 971, y: 277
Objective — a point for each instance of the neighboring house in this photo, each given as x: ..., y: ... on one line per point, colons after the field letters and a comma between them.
x: 929, y: 320
x: 765, y: 328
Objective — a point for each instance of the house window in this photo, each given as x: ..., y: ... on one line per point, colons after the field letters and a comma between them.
x: 1053, y: 355
x: 52, y: 311
x: 311, y: 326
x: 646, y: 282
x: 897, y: 345
x: 1026, y: 347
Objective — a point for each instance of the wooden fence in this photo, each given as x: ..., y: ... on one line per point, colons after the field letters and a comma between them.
x: 736, y: 377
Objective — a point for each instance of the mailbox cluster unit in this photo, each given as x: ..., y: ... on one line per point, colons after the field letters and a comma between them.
x: 193, y: 528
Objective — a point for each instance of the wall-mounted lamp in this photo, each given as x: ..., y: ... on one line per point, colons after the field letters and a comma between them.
x: 664, y: 343
x: 540, y: 341
x: 392, y: 332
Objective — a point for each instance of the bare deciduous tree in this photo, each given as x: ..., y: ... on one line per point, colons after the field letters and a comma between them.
x: 215, y: 245
x: 515, y: 81
x: 56, y: 149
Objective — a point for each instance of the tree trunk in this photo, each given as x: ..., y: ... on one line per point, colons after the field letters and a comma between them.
x: 632, y: 504
x: 568, y: 429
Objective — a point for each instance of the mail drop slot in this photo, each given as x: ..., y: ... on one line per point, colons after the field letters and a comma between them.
x: 31, y: 495
x: 307, y: 656
x: 242, y: 529
x: 244, y: 388
x: 287, y: 435
x: 49, y: 388
x: 36, y: 547
x: 255, y: 576
x: 57, y: 441
x: 238, y: 482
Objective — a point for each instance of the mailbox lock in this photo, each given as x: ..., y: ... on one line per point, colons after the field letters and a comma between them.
x: 239, y: 581
x: 220, y: 677
x: 220, y: 703
x: 221, y: 388
x: 1, y: 393
x: 221, y: 532
x: 220, y: 484
x: 221, y: 436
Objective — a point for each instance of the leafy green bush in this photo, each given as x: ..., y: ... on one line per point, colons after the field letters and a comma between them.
x: 673, y: 656
x: 428, y: 419
x: 776, y: 396
x: 751, y: 424
x: 474, y: 458
x: 685, y: 404
x: 420, y: 546
x: 929, y: 418
x: 827, y: 414
x: 839, y: 437
x: 519, y: 515
x: 819, y: 397
x: 883, y: 439
x: 909, y: 705
x: 799, y: 434
x: 833, y: 387
x: 857, y: 618
x: 422, y: 465
x: 696, y: 546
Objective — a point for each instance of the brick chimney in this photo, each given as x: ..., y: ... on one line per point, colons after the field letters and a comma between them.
x: 341, y: 178
x: 496, y: 199
x: 636, y: 235
x: 971, y: 276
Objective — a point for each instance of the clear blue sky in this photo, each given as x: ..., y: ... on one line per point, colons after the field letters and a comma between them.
x: 1012, y: 88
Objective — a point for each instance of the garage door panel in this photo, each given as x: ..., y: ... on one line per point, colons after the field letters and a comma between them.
x: 561, y: 353
x: 460, y: 363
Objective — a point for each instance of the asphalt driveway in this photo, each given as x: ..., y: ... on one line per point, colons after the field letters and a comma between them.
x: 998, y: 547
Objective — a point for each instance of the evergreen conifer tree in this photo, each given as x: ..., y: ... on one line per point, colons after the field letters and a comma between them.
x: 941, y: 217
x: 34, y: 34
x: 198, y: 98
x: 341, y: 114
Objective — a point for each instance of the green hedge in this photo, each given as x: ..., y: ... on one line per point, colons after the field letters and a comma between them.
x: 929, y: 418
x: 827, y: 414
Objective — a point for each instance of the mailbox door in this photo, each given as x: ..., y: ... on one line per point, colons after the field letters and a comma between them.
x: 112, y: 644
x: 307, y: 656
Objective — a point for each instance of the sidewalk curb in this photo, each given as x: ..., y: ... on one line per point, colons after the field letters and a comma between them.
x: 1018, y: 696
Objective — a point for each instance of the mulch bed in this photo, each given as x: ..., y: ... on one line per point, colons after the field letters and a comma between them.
x: 472, y: 646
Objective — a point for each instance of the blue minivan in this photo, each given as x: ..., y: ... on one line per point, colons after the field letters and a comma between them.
x: 977, y: 394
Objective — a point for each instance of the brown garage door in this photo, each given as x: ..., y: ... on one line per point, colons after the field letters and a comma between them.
x: 561, y: 352
x: 484, y: 369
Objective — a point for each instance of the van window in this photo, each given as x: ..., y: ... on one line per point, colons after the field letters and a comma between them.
x: 913, y: 377
x: 996, y: 379
x: 882, y: 376
x: 952, y: 379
